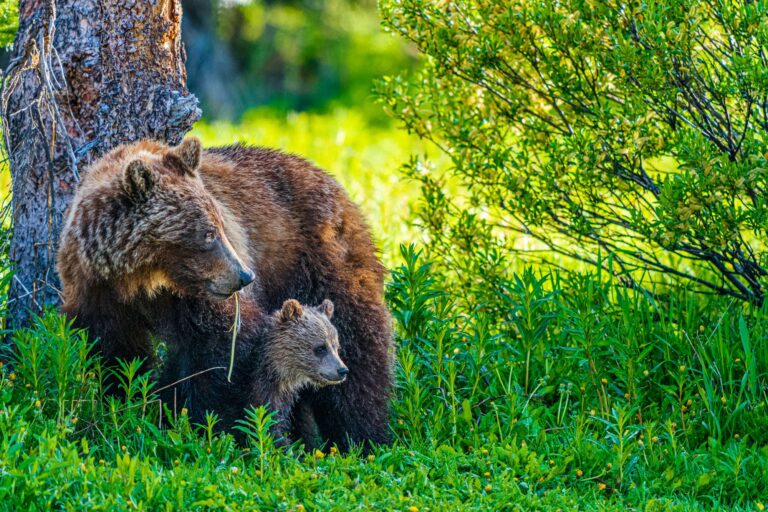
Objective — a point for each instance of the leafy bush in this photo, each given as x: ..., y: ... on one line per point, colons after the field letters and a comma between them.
x: 634, y: 130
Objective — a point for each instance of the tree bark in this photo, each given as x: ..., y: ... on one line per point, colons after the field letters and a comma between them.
x: 84, y: 76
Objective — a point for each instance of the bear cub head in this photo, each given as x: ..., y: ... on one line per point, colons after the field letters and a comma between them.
x: 142, y: 220
x: 303, y: 346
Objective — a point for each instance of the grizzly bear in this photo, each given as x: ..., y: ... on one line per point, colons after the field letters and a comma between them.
x: 158, y: 239
x: 296, y: 347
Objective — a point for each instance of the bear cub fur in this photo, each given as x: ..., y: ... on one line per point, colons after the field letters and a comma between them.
x: 295, y: 347
x: 300, y: 349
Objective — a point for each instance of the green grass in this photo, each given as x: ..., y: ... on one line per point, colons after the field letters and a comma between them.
x: 546, y: 392
x: 595, y: 399
x: 64, y: 447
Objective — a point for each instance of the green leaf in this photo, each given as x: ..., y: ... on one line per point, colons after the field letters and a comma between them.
x: 466, y: 411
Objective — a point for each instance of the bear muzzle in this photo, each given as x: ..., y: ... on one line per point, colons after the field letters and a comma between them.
x: 336, y: 376
x: 223, y: 289
x: 246, y: 277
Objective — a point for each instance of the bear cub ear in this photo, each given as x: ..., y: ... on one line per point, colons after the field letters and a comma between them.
x: 326, y: 308
x: 189, y: 152
x: 139, y: 179
x: 291, y: 310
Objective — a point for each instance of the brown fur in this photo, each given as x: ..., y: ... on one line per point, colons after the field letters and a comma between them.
x: 277, y: 356
x: 131, y: 264
x: 289, y: 355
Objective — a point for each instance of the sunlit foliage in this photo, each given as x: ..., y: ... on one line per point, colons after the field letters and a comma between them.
x: 633, y: 130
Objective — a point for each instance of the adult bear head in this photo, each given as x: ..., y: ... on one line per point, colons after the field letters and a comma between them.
x: 142, y: 221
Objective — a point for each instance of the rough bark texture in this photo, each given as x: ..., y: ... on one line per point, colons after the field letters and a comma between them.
x: 85, y: 76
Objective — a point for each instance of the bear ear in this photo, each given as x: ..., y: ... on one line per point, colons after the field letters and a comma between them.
x: 189, y: 152
x: 291, y: 310
x: 326, y: 308
x: 139, y: 179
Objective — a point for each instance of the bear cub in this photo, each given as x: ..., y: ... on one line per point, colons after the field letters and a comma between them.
x: 277, y: 356
x: 300, y: 349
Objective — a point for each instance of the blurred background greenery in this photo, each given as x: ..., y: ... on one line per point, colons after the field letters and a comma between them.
x: 288, y: 54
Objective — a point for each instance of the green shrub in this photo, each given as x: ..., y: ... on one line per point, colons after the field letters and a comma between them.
x: 631, y: 129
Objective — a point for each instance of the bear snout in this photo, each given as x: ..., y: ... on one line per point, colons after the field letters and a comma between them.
x: 335, y: 375
x: 246, y: 277
x: 230, y: 282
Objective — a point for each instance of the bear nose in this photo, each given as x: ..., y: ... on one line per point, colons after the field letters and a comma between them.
x: 246, y: 277
x: 343, y: 371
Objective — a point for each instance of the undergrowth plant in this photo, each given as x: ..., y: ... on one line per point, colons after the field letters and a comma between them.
x: 621, y: 390
x: 553, y: 392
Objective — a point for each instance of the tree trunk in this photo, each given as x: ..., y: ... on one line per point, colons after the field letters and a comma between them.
x: 85, y: 76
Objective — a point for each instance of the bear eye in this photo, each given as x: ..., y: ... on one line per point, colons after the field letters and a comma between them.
x: 321, y: 351
x: 210, y: 237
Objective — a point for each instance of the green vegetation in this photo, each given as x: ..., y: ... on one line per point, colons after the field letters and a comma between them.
x: 579, y: 396
x: 298, y: 54
x: 635, y: 129
x: 544, y: 387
